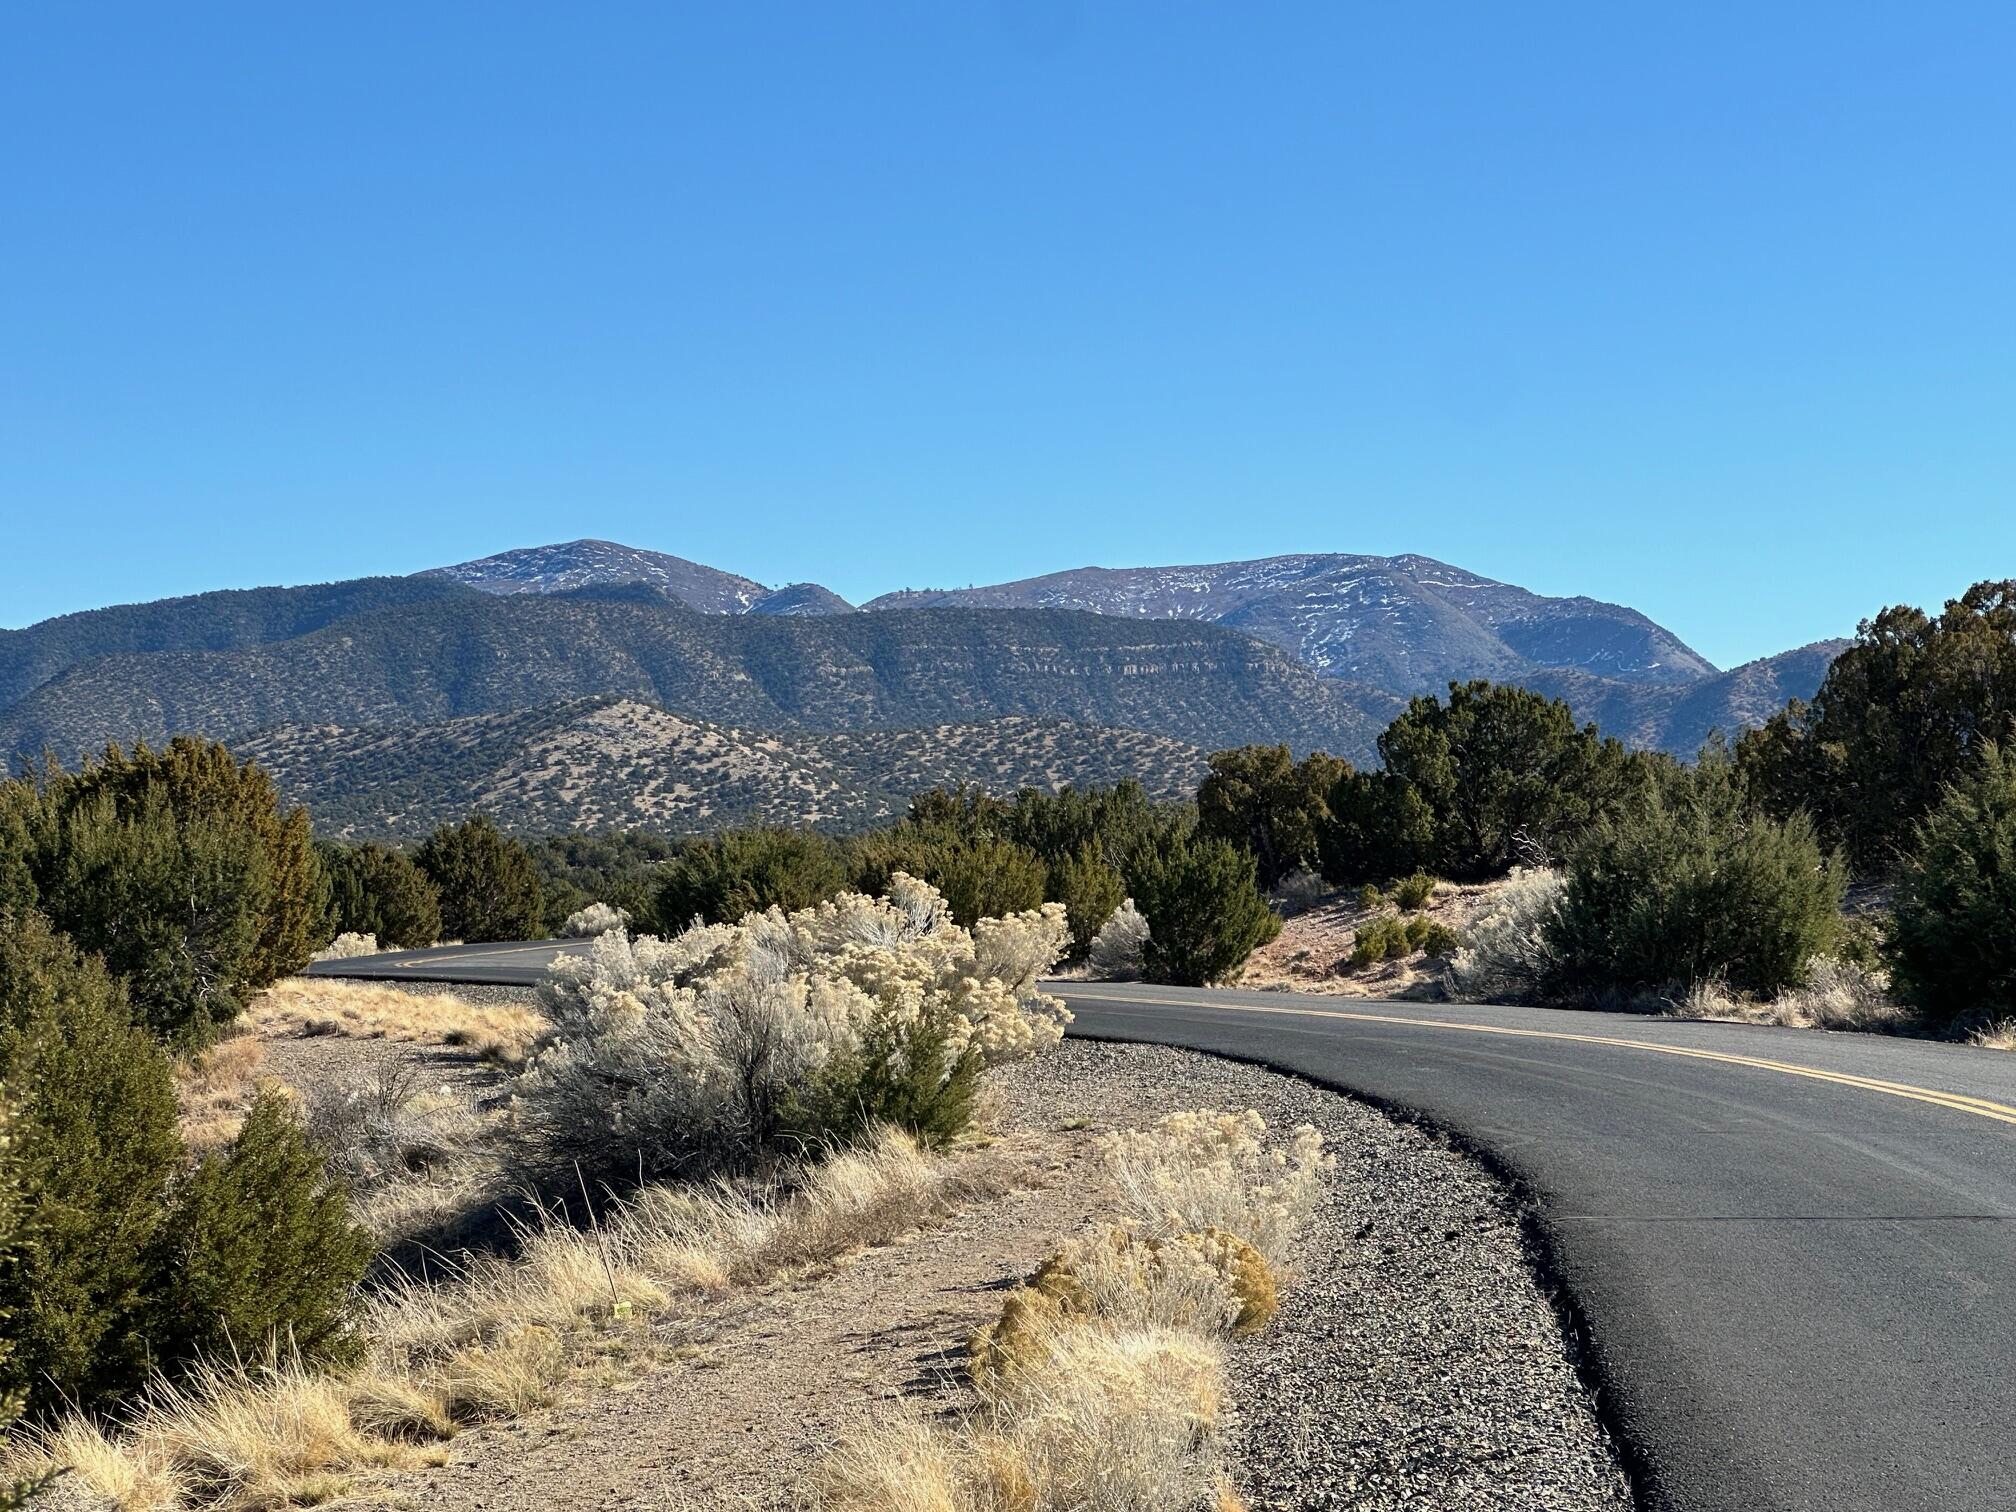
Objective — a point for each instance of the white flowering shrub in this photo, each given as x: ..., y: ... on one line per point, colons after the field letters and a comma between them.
x: 595, y: 919
x: 1119, y: 947
x: 344, y: 946
x: 1506, y: 952
x: 1192, y: 1172
x: 717, y: 1045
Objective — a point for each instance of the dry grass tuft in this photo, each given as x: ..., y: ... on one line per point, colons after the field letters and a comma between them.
x: 1120, y: 1419
x: 503, y: 1032
x: 240, y: 1439
x: 645, y: 1253
x: 519, y: 1373
x: 396, y: 1407
x: 1836, y: 995
x: 2000, y: 1035
x: 246, y: 1439
x: 214, y: 1087
x: 1102, y: 1383
x: 108, y: 1467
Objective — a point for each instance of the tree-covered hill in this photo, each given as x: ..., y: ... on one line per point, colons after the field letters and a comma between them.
x: 612, y: 763
x: 468, y: 653
x: 220, y: 621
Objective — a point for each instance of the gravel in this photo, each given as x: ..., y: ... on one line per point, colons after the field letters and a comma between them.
x: 1417, y: 1362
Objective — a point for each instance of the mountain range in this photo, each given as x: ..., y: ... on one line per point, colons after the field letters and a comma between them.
x: 1047, y: 679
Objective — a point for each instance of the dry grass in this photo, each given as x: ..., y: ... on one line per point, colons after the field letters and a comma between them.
x: 1102, y: 1385
x: 416, y: 1158
x: 109, y: 1467
x: 498, y: 1338
x: 503, y: 1032
x: 1836, y: 995
x: 1999, y: 1035
x: 1124, y: 1420
x: 242, y: 1439
x: 648, y: 1253
x: 214, y: 1087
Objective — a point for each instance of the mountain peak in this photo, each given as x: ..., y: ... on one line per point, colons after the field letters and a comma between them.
x: 590, y: 563
x: 1406, y: 623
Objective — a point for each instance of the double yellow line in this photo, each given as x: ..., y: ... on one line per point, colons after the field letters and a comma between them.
x: 1954, y: 1101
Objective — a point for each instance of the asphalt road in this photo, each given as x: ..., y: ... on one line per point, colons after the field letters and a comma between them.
x: 1795, y: 1253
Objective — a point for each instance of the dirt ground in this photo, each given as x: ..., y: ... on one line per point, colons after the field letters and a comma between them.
x: 1313, y: 951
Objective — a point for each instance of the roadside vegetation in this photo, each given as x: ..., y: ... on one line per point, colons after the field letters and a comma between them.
x: 698, y: 1114
x: 1102, y: 1383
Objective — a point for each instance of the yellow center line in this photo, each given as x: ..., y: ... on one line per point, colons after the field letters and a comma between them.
x: 1957, y: 1102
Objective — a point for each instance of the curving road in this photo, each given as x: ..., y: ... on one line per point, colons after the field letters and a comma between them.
x: 1795, y: 1252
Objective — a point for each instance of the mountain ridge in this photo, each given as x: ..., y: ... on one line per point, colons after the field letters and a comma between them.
x: 473, y: 654
x: 1409, y: 623
x: 1215, y: 655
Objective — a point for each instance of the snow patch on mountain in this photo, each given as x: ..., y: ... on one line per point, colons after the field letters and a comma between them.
x: 1405, y: 622
x: 573, y: 565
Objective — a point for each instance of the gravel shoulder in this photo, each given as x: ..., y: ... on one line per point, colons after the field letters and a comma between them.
x: 1416, y: 1363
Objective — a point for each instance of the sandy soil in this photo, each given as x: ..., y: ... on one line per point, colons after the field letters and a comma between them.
x: 1313, y: 951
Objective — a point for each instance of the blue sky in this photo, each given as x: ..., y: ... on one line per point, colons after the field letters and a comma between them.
x: 1707, y: 309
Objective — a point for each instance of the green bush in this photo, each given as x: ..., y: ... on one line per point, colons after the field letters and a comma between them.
x: 127, y: 1268
x: 723, y: 877
x: 1369, y: 897
x: 375, y: 890
x: 171, y: 905
x: 1205, y: 911
x: 96, y: 1146
x: 178, y: 867
x: 981, y: 875
x: 486, y: 883
x: 1120, y: 824
x: 1391, y: 938
x: 14, y: 1240
x: 261, y: 1249
x: 1413, y: 892
x: 1379, y: 826
x: 1953, y: 940
x: 1494, y: 777
x: 1694, y: 885
x: 1901, y: 715
x: 1384, y: 938
x: 1261, y: 798
x: 1439, y: 941
x: 1090, y: 891
x: 904, y: 1075
x: 619, y: 867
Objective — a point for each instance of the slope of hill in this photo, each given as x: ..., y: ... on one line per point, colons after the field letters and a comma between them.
x: 618, y: 763
x: 1680, y: 720
x: 1405, y: 623
x: 471, y: 654
x: 802, y: 598
x: 220, y: 621
x: 569, y: 565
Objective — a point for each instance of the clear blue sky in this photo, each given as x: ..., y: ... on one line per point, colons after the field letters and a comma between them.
x: 1709, y: 309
